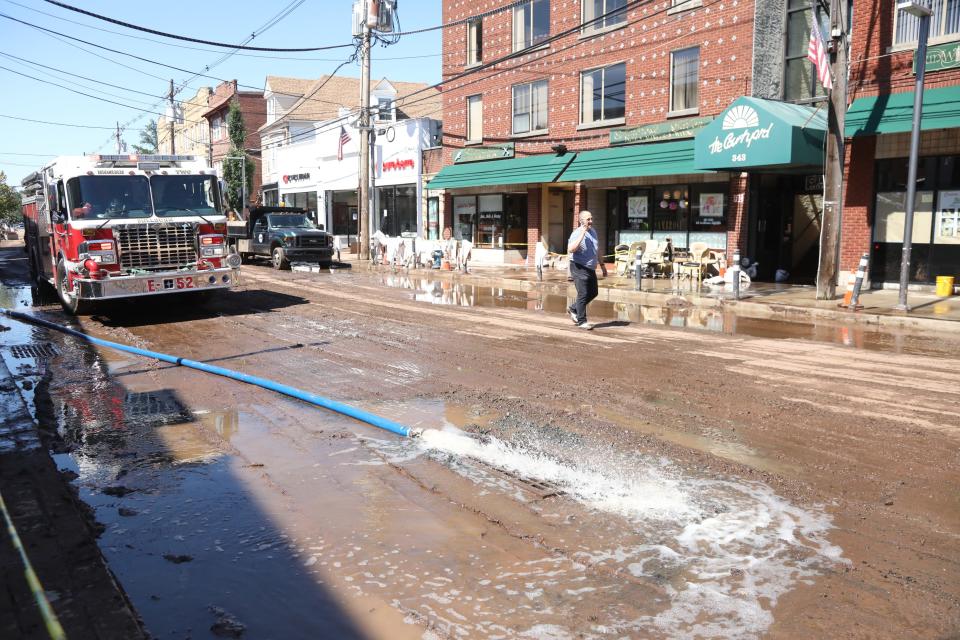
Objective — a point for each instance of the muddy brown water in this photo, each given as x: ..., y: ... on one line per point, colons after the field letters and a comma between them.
x: 634, y: 481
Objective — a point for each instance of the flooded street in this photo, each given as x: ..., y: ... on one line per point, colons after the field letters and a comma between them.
x: 675, y: 473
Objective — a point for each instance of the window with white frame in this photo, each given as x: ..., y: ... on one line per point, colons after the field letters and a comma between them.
x: 684, y: 78
x: 603, y: 93
x: 217, y: 127
x: 385, y: 110
x: 800, y: 82
x: 474, y: 118
x: 601, y: 14
x: 944, y: 24
x: 475, y: 41
x: 531, y: 23
x: 530, y: 107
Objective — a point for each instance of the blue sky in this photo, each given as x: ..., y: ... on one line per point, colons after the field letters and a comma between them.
x: 314, y: 23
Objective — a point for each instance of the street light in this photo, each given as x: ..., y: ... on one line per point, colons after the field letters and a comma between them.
x: 922, y: 12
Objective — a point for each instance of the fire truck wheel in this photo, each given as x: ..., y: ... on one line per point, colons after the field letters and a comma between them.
x: 71, y: 303
x: 280, y: 261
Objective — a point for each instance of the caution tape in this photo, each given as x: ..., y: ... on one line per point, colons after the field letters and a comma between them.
x: 46, y: 611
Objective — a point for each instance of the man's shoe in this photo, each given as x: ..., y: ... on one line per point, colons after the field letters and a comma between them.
x: 573, y: 315
x: 585, y: 325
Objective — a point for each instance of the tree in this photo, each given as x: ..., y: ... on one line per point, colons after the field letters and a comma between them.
x: 237, y: 161
x: 148, y: 139
x: 9, y: 202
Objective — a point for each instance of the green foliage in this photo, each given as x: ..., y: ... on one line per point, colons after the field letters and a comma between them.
x: 149, y: 141
x: 9, y: 201
x: 233, y: 167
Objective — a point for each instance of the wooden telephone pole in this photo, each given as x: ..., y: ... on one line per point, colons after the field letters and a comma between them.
x: 833, y: 170
x: 173, y: 119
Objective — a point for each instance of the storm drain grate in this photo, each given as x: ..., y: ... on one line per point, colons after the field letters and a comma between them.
x: 539, y: 488
x: 35, y: 351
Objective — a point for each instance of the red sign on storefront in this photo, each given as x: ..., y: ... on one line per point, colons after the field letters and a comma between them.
x: 398, y: 165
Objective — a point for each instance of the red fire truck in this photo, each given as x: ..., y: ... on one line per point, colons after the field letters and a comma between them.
x: 108, y: 227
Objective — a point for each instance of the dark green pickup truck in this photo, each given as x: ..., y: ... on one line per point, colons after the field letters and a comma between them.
x: 283, y: 234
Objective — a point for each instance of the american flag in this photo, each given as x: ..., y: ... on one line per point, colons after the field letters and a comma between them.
x: 817, y: 54
x: 344, y: 139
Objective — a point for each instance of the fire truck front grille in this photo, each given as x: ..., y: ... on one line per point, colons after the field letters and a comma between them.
x: 155, y: 247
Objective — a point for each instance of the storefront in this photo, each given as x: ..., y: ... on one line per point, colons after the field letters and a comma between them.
x: 880, y: 131
x: 491, y: 195
x: 652, y: 191
x: 780, y: 147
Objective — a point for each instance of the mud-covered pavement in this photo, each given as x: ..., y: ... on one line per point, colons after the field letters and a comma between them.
x: 737, y: 481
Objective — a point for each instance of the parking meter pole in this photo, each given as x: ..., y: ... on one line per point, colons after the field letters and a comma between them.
x: 736, y: 275
x: 638, y: 271
x: 861, y: 274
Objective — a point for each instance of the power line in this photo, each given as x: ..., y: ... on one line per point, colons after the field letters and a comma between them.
x: 187, y: 38
x: 141, y: 38
x: 58, y: 124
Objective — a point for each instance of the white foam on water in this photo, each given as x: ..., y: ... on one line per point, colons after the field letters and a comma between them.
x: 723, y: 550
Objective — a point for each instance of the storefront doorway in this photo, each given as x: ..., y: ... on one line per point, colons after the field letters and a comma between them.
x: 344, y: 213
x: 785, y: 217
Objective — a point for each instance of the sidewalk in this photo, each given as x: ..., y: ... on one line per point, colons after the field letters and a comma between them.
x: 788, y: 302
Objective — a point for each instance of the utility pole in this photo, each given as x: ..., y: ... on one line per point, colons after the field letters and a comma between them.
x: 833, y: 171
x: 119, y: 141
x: 173, y: 119
x: 364, y: 142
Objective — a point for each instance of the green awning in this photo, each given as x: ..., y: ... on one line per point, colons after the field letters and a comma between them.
x: 893, y: 113
x: 533, y: 169
x: 630, y: 161
x: 755, y: 133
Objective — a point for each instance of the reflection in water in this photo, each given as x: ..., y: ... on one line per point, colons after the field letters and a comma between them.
x: 680, y: 315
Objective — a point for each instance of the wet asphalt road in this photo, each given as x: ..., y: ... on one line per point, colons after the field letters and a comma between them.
x: 709, y: 478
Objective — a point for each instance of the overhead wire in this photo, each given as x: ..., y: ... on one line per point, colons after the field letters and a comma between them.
x: 174, y: 36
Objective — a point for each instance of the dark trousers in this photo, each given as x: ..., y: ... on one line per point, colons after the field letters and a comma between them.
x: 585, y: 279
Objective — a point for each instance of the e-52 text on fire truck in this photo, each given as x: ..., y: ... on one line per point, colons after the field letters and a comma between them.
x: 108, y: 227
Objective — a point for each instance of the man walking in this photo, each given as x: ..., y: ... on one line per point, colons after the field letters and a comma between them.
x: 583, y: 248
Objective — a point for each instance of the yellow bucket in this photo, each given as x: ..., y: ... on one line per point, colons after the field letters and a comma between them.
x: 944, y: 286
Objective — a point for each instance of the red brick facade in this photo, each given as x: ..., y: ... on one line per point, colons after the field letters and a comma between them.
x: 253, y: 108
x: 875, y: 70
x: 722, y: 30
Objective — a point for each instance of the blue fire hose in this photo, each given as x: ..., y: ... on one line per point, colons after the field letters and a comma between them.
x: 311, y: 398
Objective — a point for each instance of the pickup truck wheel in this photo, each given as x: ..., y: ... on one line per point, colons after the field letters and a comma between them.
x: 280, y: 261
x: 70, y: 302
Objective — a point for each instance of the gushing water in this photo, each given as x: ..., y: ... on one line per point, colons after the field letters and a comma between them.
x: 724, y: 551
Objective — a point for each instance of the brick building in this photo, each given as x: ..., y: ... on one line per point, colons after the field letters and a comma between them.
x: 190, y: 133
x: 691, y: 120
x: 878, y: 126
x: 253, y: 109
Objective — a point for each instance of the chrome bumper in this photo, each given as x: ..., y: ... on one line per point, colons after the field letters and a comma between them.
x: 156, y: 283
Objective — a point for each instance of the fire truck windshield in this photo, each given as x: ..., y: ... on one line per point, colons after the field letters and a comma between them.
x: 106, y: 197
x: 185, y: 195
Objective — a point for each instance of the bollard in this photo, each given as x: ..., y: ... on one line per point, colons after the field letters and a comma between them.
x: 638, y: 270
x: 736, y: 275
x: 861, y: 274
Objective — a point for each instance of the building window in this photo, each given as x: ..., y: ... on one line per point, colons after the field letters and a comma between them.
x: 603, y: 93
x: 944, y: 24
x: 475, y: 41
x: 494, y: 221
x: 684, y: 80
x: 475, y: 118
x: 530, y: 107
x: 800, y: 76
x: 385, y: 110
x: 217, y: 127
x: 531, y: 23
x: 601, y: 14
x: 397, y: 209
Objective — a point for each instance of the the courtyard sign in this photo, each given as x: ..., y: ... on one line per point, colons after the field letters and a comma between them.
x: 754, y: 133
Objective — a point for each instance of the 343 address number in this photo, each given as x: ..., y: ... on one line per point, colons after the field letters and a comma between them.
x: 738, y: 157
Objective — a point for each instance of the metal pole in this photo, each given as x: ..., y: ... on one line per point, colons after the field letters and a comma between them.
x: 736, y: 274
x: 638, y: 270
x: 364, y: 143
x: 243, y: 180
x: 861, y: 274
x: 912, y: 168
x: 173, y: 119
